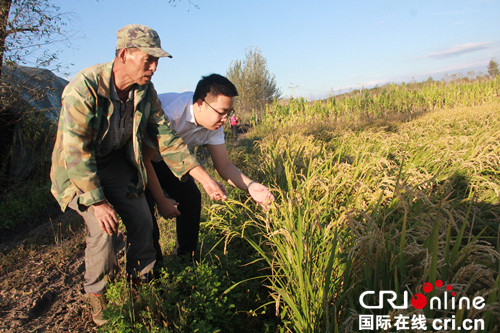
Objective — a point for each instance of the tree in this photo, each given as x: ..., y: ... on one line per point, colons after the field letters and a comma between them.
x: 26, y: 28
x: 256, y: 85
x: 493, y: 68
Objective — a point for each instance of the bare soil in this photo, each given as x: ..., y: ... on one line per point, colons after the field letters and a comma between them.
x: 41, y: 276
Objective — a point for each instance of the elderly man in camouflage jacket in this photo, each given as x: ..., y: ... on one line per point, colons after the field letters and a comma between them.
x: 97, y: 164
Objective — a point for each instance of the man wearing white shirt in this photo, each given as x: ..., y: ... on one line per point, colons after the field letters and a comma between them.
x: 198, y: 118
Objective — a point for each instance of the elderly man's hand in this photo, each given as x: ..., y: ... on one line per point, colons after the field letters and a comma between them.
x: 215, y: 190
x: 260, y: 194
x: 106, y: 216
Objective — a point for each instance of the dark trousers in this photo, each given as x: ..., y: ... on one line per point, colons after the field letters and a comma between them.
x: 188, y: 196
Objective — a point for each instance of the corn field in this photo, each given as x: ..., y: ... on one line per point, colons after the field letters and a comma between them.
x: 383, y: 190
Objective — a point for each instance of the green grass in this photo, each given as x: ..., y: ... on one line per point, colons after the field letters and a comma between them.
x: 23, y: 202
x: 203, y: 295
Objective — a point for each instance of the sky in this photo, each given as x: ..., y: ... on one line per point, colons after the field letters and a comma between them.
x: 314, y: 48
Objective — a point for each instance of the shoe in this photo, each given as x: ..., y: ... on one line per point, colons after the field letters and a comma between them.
x: 97, y: 304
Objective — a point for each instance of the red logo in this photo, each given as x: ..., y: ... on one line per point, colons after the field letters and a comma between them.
x: 419, y: 301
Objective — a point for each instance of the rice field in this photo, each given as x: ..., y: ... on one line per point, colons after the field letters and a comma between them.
x: 380, y: 191
x: 394, y: 189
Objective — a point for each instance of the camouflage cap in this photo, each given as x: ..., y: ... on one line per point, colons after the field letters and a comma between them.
x: 141, y: 37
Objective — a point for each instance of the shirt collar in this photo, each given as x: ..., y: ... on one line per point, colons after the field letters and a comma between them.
x: 190, y: 115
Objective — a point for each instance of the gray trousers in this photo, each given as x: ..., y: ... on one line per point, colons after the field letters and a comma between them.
x: 100, y: 254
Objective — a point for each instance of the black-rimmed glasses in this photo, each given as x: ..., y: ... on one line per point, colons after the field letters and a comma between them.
x: 221, y: 114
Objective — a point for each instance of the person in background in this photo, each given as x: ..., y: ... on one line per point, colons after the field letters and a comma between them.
x: 198, y: 117
x: 97, y: 163
x: 234, y: 125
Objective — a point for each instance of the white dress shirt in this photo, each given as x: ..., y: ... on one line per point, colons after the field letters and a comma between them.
x: 178, y: 109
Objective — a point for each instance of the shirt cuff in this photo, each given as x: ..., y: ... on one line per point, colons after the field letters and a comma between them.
x: 87, y: 199
x: 181, y: 170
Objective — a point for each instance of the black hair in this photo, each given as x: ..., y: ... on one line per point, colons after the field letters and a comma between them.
x: 214, y: 84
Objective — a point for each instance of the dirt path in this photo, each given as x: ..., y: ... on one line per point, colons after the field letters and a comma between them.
x: 41, y: 279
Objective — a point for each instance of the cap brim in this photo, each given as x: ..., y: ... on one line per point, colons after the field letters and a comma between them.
x: 155, y: 52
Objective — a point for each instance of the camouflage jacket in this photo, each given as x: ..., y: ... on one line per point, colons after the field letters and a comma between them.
x: 83, y: 123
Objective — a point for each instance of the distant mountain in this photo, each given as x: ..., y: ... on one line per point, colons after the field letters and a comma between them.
x: 30, y: 89
x: 39, y: 87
